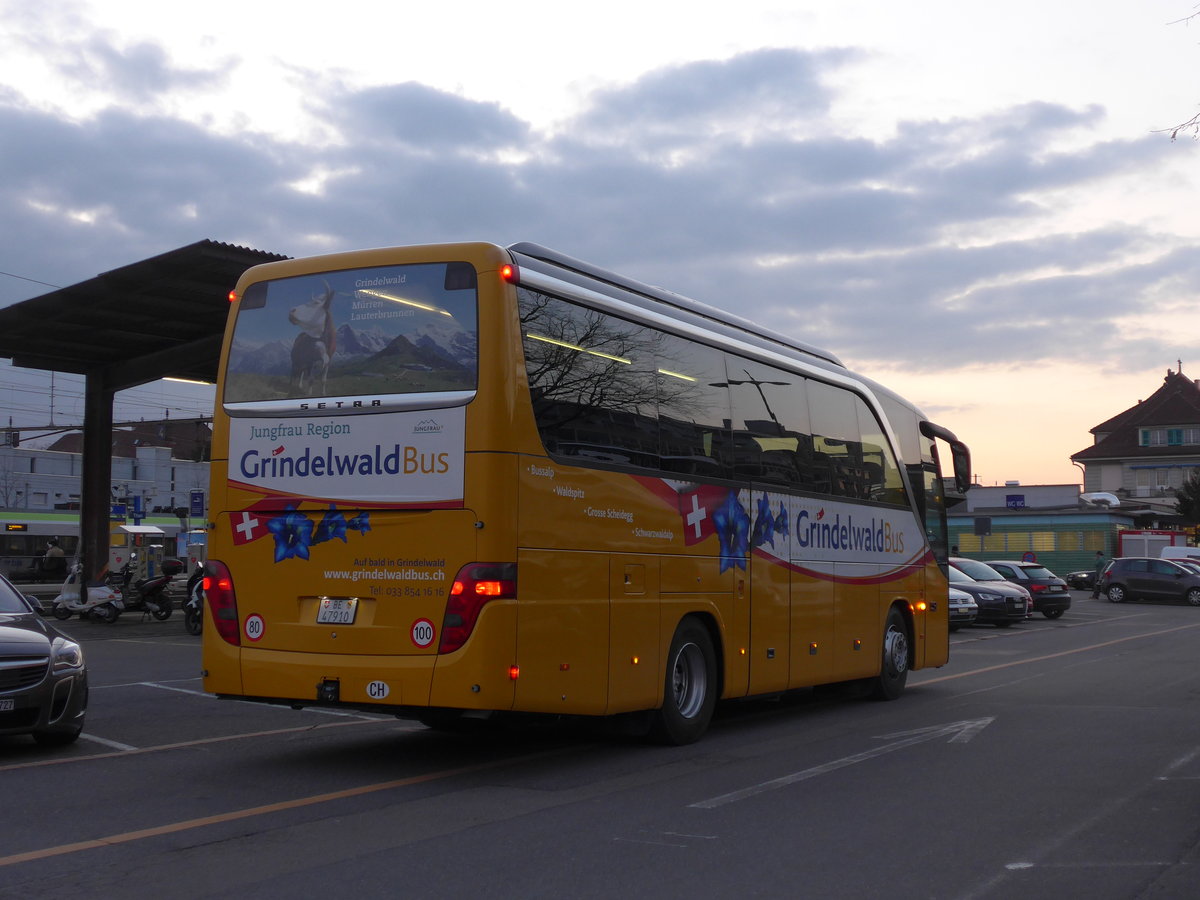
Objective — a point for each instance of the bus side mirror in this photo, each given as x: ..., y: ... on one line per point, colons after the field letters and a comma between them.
x: 962, y: 466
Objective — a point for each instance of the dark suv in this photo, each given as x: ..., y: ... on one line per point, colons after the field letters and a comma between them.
x: 1049, y: 592
x: 1141, y: 577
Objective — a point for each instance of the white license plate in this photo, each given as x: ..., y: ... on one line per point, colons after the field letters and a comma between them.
x: 337, y: 610
x: 7, y: 704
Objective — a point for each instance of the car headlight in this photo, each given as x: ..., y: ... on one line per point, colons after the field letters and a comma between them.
x: 990, y: 597
x: 66, y: 654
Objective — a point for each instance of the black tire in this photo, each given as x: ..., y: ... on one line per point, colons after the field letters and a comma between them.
x: 105, y: 613
x: 689, y: 688
x: 1116, y: 593
x: 61, y: 612
x: 162, y: 613
x: 1193, y: 597
x: 193, y: 621
x: 1052, y: 613
x: 895, y: 659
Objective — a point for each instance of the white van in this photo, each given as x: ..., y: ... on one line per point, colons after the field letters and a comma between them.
x: 1192, y: 553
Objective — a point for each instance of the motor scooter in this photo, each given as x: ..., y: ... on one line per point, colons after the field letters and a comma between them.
x: 97, y: 602
x: 150, y: 594
x: 193, y: 604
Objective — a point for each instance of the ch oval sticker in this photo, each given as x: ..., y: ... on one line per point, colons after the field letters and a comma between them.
x: 422, y: 632
x: 378, y: 690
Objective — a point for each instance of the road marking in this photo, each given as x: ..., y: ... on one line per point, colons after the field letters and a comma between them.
x: 183, y: 745
x: 116, y: 745
x: 1061, y: 653
x: 282, y: 806
x: 953, y: 730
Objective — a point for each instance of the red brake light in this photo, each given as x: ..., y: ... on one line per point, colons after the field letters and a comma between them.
x: 222, y: 601
x: 475, y: 585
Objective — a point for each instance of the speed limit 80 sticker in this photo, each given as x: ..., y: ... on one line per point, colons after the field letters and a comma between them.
x: 422, y: 632
x: 254, y: 627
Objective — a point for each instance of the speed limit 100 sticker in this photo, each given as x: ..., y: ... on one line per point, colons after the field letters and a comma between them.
x: 254, y: 627
x: 422, y: 632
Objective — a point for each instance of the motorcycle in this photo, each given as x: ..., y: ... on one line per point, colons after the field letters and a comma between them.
x: 193, y: 605
x: 150, y: 594
x: 97, y: 602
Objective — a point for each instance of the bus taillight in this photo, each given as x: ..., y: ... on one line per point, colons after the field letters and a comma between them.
x: 222, y: 601
x: 474, y: 585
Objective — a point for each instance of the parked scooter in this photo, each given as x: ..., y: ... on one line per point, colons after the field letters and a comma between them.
x: 100, y: 603
x: 193, y: 604
x: 150, y: 594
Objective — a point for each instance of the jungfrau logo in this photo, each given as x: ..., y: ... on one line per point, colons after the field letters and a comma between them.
x: 427, y: 426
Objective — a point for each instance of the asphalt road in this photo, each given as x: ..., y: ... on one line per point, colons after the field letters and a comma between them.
x: 1051, y: 759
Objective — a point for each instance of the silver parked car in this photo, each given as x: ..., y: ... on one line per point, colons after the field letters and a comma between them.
x: 43, y: 680
x: 963, y: 608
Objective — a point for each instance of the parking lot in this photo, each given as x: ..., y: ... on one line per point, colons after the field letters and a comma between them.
x: 1061, y: 757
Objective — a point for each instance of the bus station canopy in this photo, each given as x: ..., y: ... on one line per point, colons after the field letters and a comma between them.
x: 163, y: 317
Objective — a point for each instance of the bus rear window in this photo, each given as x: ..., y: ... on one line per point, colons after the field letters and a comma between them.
x: 386, y: 330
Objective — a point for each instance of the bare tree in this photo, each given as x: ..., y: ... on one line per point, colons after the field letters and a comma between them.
x: 1192, y: 124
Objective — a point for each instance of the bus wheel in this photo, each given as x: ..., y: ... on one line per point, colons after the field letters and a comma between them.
x: 690, y: 691
x: 893, y: 672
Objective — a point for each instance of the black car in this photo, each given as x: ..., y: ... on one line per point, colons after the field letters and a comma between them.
x: 1049, y: 592
x: 43, y: 680
x: 1000, y: 604
x: 1147, y: 578
x: 1082, y: 580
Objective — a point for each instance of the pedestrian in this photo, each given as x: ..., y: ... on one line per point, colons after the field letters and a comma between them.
x: 1101, y: 562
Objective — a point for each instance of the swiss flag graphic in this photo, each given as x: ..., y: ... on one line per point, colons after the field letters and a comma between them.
x: 251, y: 523
x: 696, y: 508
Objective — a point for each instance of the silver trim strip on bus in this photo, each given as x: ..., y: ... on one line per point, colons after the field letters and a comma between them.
x: 605, y: 303
x: 346, y: 406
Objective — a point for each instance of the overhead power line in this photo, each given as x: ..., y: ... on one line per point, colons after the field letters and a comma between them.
x: 33, y: 280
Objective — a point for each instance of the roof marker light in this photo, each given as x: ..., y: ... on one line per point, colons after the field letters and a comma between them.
x: 233, y: 296
x: 510, y: 273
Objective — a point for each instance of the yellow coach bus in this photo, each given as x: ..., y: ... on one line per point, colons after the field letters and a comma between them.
x: 457, y: 480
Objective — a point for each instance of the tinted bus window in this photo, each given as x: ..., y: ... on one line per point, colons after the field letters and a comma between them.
x: 592, y: 381
x: 771, y: 435
x: 385, y: 330
x: 884, y: 480
x: 693, y: 409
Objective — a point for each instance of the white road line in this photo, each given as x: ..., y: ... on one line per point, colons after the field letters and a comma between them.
x: 115, y: 745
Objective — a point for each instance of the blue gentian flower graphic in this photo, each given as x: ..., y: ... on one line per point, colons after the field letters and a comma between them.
x: 764, y: 524
x: 360, y: 523
x: 293, y: 534
x: 332, y: 525
x: 781, y: 522
x: 733, y: 532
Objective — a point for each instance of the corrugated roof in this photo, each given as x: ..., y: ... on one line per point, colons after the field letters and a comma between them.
x: 163, y: 316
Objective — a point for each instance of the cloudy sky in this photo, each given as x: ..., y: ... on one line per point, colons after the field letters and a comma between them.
x: 972, y: 202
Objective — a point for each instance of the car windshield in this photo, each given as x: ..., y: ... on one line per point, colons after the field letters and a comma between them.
x: 1038, y: 572
x: 960, y: 577
x: 10, y: 600
x: 1192, y: 567
x: 978, y: 571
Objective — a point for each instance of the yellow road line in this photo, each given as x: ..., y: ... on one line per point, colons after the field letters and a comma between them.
x: 299, y: 802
